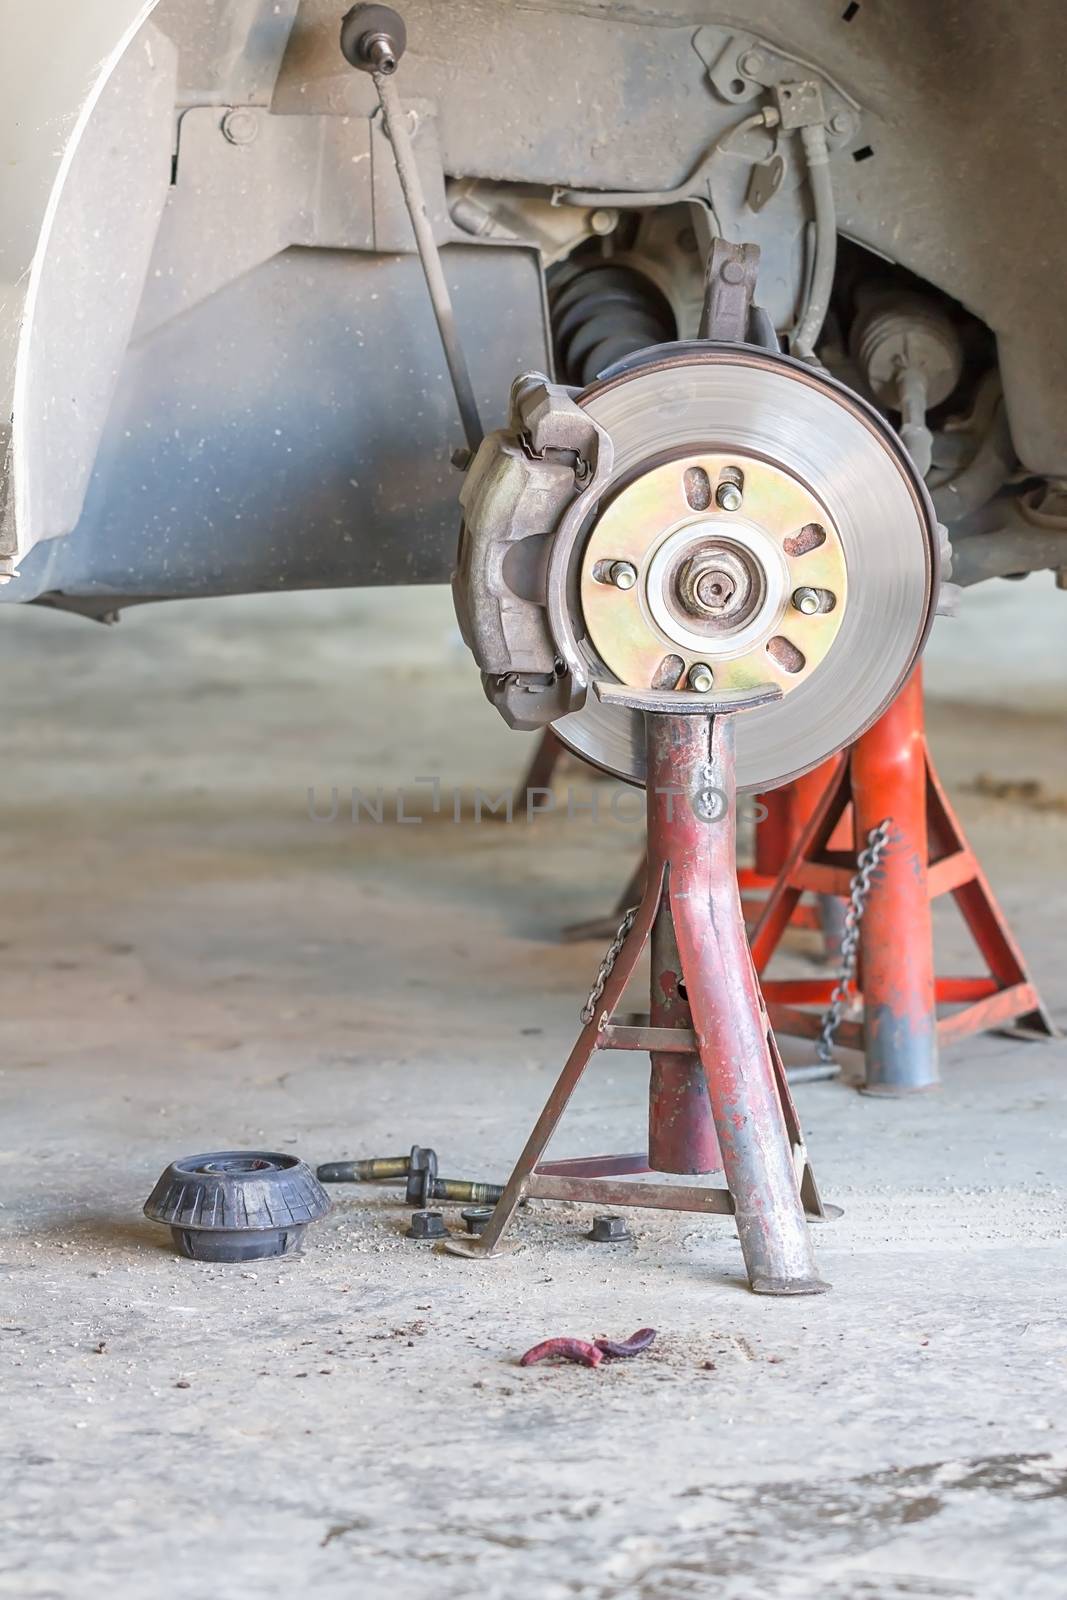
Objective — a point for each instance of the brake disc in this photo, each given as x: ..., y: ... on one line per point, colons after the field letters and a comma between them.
x: 816, y: 569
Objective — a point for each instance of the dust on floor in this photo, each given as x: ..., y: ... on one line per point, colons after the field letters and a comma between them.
x: 191, y: 962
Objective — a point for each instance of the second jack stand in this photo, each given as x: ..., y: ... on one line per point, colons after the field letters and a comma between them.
x: 786, y: 813
x: 718, y: 1094
x: 537, y: 779
x: 889, y: 775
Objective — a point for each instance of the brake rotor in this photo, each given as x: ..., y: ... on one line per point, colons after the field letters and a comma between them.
x: 762, y: 525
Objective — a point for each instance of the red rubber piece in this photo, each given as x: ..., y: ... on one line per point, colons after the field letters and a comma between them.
x: 565, y: 1350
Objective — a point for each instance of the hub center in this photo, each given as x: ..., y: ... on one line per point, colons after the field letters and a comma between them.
x: 714, y: 590
x: 719, y: 584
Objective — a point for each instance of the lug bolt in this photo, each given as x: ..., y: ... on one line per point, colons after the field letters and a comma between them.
x: 623, y: 574
x: 728, y: 496
x: 476, y: 1218
x: 427, y: 1225
x: 808, y: 601
x: 426, y: 1186
x: 379, y: 1168
x: 609, y: 1230
x: 700, y: 677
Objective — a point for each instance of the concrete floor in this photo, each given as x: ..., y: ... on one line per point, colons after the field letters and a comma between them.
x: 190, y: 962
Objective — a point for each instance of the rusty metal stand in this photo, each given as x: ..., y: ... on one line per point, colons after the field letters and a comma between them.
x: 718, y: 1091
x: 775, y: 832
x: 889, y: 774
x: 788, y: 810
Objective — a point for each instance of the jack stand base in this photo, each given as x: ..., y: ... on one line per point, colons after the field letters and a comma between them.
x: 718, y: 1092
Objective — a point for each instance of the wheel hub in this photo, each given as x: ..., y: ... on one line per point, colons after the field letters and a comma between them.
x: 712, y: 586
x: 820, y: 577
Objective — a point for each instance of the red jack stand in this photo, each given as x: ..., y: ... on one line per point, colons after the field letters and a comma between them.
x: 718, y: 1094
x: 888, y: 773
x: 786, y: 812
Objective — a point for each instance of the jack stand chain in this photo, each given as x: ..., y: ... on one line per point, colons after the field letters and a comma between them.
x: 588, y: 1011
x: 866, y: 865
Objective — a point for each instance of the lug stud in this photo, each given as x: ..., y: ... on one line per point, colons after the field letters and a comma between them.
x: 730, y: 490
x: 700, y: 677
x: 807, y: 601
x: 623, y: 574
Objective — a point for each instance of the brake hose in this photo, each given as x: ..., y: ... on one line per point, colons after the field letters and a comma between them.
x: 813, y: 316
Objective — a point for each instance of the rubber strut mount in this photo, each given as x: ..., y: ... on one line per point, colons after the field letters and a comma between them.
x: 237, y: 1205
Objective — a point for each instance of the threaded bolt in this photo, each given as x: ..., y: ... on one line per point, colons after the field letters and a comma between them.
x: 381, y: 54
x: 425, y: 1186
x: 700, y: 677
x: 623, y: 574
x: 456, y: 1189
x: 378, y: 1169
x: 808, y: 601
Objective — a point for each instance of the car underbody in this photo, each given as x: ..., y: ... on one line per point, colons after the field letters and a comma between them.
x: 223, y: 369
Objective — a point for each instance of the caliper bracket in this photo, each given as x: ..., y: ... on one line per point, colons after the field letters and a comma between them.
x: 519, y: 485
